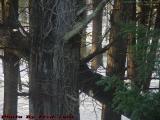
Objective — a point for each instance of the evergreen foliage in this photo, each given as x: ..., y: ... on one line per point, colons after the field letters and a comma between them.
x: 129, y: 98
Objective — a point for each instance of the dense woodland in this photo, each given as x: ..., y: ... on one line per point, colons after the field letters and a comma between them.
x: 51, y: 37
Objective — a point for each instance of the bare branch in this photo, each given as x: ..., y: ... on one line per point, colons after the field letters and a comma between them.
x: 81, y: 25
x: 91, y: 56
x: 23, y: 94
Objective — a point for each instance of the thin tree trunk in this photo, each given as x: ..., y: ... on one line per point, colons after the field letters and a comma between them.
x: 97, y: 36
x: 131, y: 60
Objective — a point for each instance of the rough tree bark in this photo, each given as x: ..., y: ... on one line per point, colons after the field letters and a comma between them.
x: 54, y: 63
x: 86, y: 88
x: 24, y: 43
x: 11, y: 64
x: 11, y: 61
x: 116, y: 55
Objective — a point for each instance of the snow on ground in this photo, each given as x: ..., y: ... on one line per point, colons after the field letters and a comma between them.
x: 90, y: 109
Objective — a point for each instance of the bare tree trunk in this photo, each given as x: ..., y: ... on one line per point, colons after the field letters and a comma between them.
x: 116, y: 55
x: 11, y: 64
x: 11, y: 61
x: 54, y: 64
x: 97, y: 36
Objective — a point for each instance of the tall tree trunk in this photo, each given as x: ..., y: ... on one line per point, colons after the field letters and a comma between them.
x: 11, y: 64
x: 116, y: 55
x: 54, y: 64
x: 97, y: 36
x: 11, y: 61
